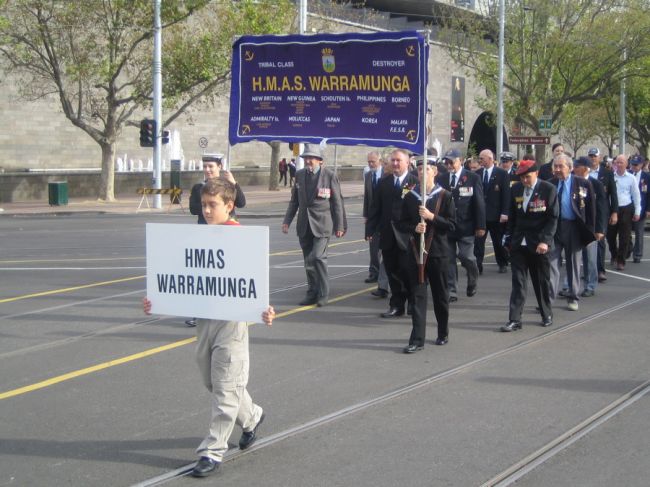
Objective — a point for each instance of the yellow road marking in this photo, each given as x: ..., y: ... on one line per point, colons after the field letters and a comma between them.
x: 146, y: 353
x: 94, y: 368
x: 68, y: 289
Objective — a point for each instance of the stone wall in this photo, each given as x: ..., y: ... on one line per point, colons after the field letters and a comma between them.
x: 36, y: 134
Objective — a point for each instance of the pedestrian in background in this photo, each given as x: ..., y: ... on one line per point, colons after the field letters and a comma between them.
x: 292, y: 171
x: 467, y: 192
x: 643, y: 180
x: 496, y: 194
x: 376, y: 269
x: 603, y: 174
x: 283, y: 168
x: 629, y: 211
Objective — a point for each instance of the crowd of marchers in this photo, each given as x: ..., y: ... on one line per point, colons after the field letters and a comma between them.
x: 552, y: 223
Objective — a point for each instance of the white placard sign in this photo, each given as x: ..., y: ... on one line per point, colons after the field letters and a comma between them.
x: 208, y: 271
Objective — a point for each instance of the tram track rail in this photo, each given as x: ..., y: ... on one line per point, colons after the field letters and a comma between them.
x: 506, y: 477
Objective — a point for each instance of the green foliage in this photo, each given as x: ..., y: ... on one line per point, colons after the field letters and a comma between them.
x: 557, y: 52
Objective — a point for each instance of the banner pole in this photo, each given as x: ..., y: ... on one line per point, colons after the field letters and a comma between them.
x: 425, y: 165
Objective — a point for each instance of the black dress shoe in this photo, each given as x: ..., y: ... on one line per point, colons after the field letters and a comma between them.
x: 412, y: 348
x: 471, y: 290
x: 307, y: 301
x: 204, y: 467
x: 393, y: 313
x: 453, y: 299
x: 637, y: 260
x: 441, y: 341
x: 370, y: 279
x: 548, y: 321
x: 322, y: 301
x: 511, y: 326
x: 249, y: 437
x: 503, y: 269
x: 380, y: 293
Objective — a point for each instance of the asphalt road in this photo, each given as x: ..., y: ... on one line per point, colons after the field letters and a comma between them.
x: 94, y: 393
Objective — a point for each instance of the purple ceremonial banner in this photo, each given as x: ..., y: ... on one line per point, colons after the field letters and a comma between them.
x: 347, y: 89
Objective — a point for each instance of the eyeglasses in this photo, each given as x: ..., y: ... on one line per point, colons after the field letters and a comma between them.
x: 448, y: 162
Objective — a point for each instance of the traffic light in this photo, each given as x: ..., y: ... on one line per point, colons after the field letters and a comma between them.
x: 147, y: 133
x: 165, y: 137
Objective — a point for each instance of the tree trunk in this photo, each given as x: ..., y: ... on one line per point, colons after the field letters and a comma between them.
x: 274, y: 176
x: 107, y: 186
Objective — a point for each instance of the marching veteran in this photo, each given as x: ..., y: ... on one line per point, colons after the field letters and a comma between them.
x: 316, y: 197
x: 532, y: 223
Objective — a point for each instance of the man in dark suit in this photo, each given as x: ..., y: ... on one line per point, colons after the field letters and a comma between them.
x: 467, y: 192
x: 643, y: 180
x: 384, y: 213
x: 438, y: 213
x: 546, y: 170
x: 581, y: 168
x: 606, y: 177
x: 575, y: 228
x: 376, y: 270
x: 532, y: 224
x: 496, y: 193
x: 316, y: 197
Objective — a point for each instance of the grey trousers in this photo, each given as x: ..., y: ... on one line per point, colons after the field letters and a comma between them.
x: 376, y: 267
x: 222, y: 357
x: 314, y: 253
x: 467, y: 259
x: 567, y: 238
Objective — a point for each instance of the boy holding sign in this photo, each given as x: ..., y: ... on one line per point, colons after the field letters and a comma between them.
x: 222, y: 356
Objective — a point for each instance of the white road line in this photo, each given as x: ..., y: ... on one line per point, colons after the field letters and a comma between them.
x: 70, y: 268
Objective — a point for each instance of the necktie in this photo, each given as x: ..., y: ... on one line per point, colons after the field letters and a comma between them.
x: 453, y: 180
x: 528, y: 191
x: 486, y: 180
x: 374, y: 180
x: 560, y: 192
x: 397, y: 183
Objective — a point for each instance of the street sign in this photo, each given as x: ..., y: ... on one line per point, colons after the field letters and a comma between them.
x: 530, y: 140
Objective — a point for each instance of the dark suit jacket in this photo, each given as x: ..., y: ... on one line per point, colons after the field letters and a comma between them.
x: 497, y: 196
x: 322, y: 211
x: 195, y: 201
x: 538, y: 222
x: 606, y: 177
x: 368, y: 192
x: 602, y: 206
x: 386, y: 208
x: 546, y: 171
x: 583, y: 202
x: 443, y: 223
x: 469, y: 202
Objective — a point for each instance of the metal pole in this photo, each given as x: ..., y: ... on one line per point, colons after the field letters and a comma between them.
x: 502, y: 21
x: 303, y: 28
x: 621, y: 127
x: 157, y: 102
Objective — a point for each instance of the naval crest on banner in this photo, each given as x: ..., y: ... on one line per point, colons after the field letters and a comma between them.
x: 328, y: 60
